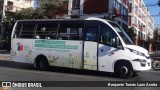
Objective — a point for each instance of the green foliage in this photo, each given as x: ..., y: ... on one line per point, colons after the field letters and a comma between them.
x: 8, y: 23
x: 131, y: 33
x: 156, y: 39
x: 47, y: 10
x: 39, y: 14
x: 24, y: 14
x: 52, y: 8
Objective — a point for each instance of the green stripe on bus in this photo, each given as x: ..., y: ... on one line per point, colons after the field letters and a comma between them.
x: 50, y: 42
x: 56, y: 46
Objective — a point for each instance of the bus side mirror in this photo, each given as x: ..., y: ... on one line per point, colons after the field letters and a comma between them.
x: 117, y: 42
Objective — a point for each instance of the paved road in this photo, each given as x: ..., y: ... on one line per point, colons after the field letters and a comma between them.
x: 12, y: 71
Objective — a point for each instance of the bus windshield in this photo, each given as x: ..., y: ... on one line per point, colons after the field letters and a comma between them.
x: 122, y: 33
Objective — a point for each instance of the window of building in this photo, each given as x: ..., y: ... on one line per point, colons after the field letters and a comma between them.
x: 130, y: 8
x: 135, y: 20
x: 136, y: 10
x: 117, y: 5
x: 76, y: 4
x: 125, y: 13
x: 10, y: 3
x: 129, y: 20
x: 122, y: 10
x: 139, y: 23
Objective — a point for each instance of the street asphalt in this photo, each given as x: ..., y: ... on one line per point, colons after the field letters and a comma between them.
x: 14, y: 71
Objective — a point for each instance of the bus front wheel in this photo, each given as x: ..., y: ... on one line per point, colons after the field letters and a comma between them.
x: 124, y: 70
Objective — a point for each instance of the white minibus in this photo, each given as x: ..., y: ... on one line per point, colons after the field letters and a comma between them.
x: 90, y: 44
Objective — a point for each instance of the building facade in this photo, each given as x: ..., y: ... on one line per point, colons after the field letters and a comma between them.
x: 142, y: 22
x: 101, y: 8
x: 133, y: 14
x: 15, y: 5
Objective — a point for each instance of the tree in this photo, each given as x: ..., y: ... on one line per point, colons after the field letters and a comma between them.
x: 8, y: 23
x: 131, y: 33
x: 155, y: 41
x: 39, y: 14
x: 24, y: 14
x: 52, y: 8
x: 47, y: 10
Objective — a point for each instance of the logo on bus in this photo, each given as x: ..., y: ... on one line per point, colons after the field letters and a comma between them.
x: 20, y: 47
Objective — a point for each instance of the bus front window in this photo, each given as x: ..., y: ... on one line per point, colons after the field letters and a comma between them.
x: 122, y: 33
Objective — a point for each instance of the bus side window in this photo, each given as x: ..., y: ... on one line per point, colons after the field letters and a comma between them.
x: 28, y: 30
x: 71, y: 30
x: 62, y: 32
x: 107, y: 36
x: 91, y: 34
x: 17, y: 30
x: 46, y: 30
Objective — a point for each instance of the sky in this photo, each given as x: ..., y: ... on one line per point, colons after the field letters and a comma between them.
x: 154, y: 10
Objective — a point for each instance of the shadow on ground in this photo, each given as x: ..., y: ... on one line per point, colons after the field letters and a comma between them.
x: 11, y: 64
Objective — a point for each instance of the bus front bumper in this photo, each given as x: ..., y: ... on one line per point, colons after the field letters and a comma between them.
x: 141, y: 64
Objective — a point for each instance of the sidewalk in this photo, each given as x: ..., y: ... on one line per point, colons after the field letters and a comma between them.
x: 4, y: 55
x: 155, y: 54
x: 4, y: 52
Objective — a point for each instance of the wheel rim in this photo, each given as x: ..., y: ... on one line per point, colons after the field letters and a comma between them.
x: 156, y: 65
x: 123, y: 70
x: 42, y: 66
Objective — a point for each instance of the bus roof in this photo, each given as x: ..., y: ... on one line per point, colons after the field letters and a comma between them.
x: 75, y: 19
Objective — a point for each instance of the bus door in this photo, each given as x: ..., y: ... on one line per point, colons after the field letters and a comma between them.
x: 107, y: 51
x: 70, y: 50
x: 90, y: 45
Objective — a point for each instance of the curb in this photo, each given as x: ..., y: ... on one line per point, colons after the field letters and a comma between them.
x: 4, y: 52
x: 4, y: 59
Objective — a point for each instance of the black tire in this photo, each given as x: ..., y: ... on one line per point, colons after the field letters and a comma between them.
x: 42, y: 64
x: 124, y: 70
x: 156, y: 64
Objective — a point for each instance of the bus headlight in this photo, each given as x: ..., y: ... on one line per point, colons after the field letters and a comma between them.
x: 137, y: 52
x: 142, y: 62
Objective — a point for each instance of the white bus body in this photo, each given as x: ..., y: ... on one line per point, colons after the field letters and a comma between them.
x: 92, y: 44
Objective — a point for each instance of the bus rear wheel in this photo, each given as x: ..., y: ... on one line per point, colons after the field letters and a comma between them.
x: 124, y: 70
x: 42, y: 64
